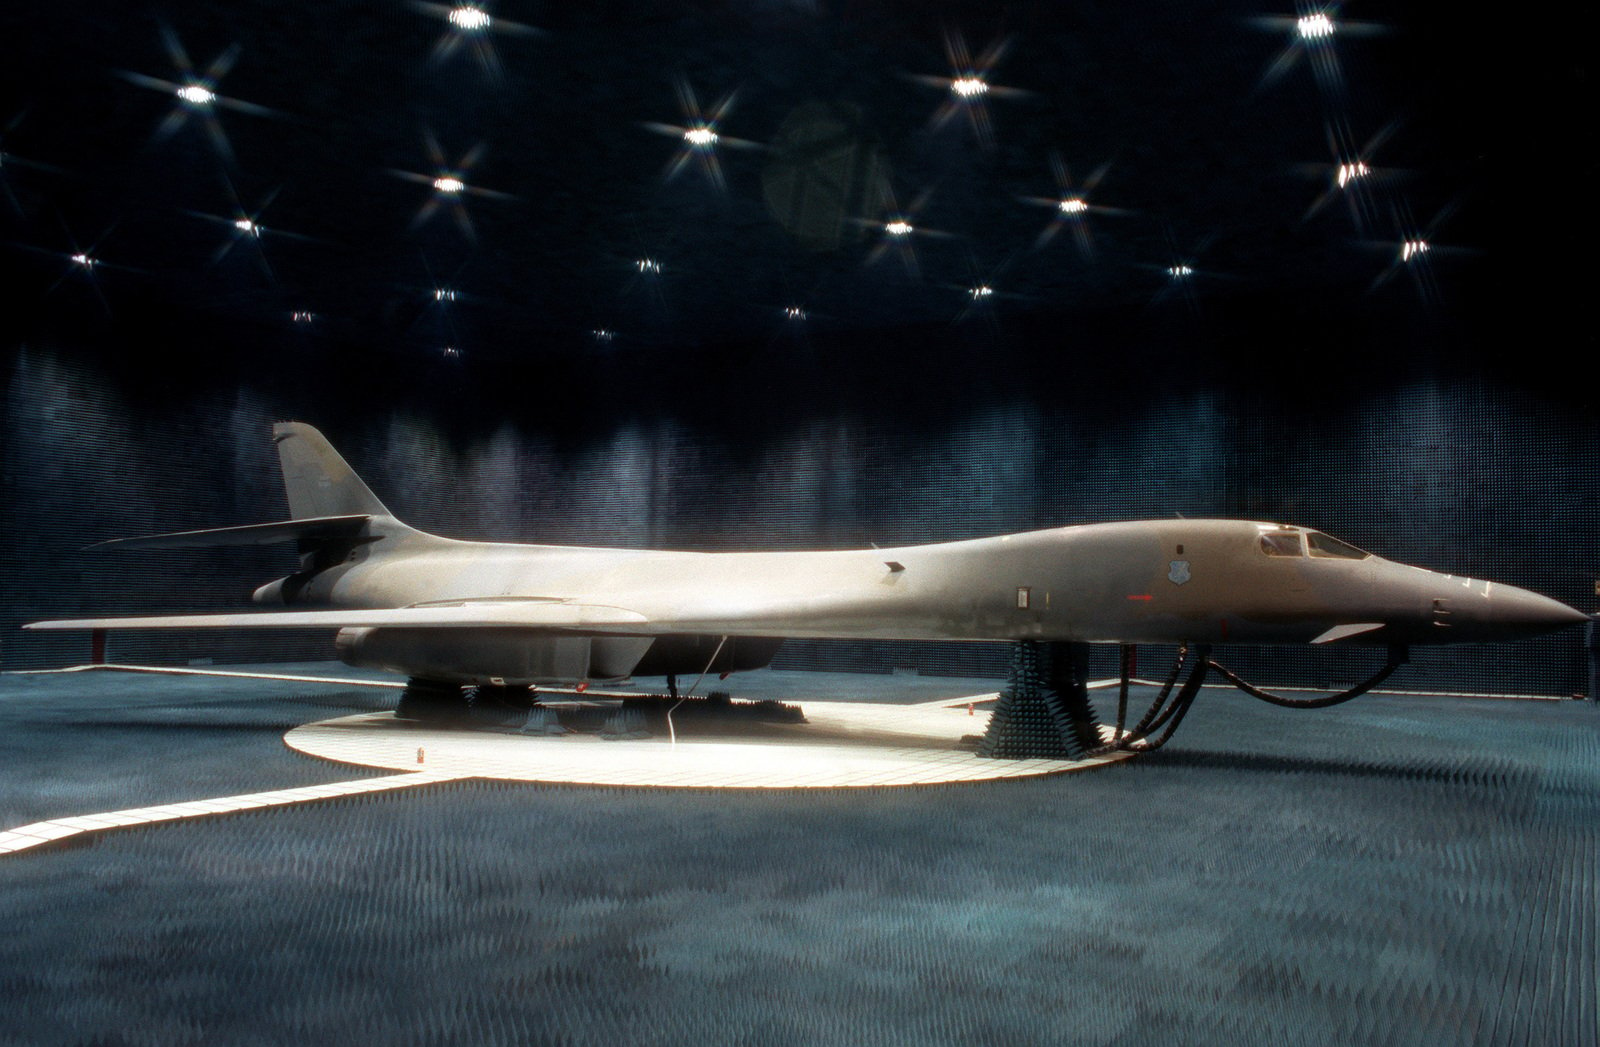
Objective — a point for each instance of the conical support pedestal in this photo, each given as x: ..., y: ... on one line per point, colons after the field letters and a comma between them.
x: 1044, y: 711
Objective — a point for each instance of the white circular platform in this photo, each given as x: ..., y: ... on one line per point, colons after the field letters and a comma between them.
x: 840, y: 745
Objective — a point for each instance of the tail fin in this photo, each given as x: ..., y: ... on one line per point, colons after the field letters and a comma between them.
x: 317, y: 481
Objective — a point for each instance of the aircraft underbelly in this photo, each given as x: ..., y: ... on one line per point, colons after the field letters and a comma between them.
x: 507, y: 655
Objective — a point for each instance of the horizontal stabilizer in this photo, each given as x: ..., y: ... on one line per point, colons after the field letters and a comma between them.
x: 1344, y: 632
x: 319, y: 528
x: 530, y: 614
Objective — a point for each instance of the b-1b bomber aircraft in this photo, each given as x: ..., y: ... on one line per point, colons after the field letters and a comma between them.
x: 467, y: 619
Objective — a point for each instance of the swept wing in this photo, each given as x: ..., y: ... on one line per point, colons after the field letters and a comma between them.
x: 532, y: 614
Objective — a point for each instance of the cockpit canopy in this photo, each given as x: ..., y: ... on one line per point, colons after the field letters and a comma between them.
x: 1295, y: 543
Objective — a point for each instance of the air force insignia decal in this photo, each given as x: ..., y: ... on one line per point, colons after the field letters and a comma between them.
x: 1179, y: 573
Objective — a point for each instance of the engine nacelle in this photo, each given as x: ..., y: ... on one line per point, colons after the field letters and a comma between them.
x: 281, y: 592
x: 512, y: 656
x: 683, y: 655
x: 519, y: 656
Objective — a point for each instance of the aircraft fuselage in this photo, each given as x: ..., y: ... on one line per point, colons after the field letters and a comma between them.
x: 1162, y: 581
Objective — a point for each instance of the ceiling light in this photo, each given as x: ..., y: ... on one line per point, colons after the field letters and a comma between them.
x: 1412, y: 248
x: 300, y: 316
x: 980, y: 292
x: 701, y: 137
x: 794, y: 312
x: 1314, y: 27
x: 84, y: 260
x: 648, y: 265
x: 197, y: 94
x: 449, y: 184
x: 247, y: 227
x: 968, y: 87
x: 1178, y: 272
x: 444, y: 294
x: 469, y: 19
x: 1350, y: 172
x: 1074, y: 205
x: 898, y: 227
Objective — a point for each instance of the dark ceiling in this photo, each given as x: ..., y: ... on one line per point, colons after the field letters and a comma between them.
x: 1205, y: 140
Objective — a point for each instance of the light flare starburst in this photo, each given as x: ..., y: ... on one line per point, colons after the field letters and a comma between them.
x: 196, y: 93
x: 699, y: 136
x: 969, y: 86
x: 449, y: 185
x: 471, y: 29
x: 1070, y: 206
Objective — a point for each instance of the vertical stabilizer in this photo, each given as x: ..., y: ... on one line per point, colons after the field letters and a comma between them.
x: 317, y: 481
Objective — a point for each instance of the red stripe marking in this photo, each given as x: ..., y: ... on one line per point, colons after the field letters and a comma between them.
x: 1144, y: 596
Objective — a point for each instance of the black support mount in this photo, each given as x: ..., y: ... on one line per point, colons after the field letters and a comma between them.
x: 1044, y: 711
x: 431, y: 701
x: 448, y: 702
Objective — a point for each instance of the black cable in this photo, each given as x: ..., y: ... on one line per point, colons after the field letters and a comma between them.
x: 1122, y: 690
x: 1143, y: 727
x: 1180, y: 706
x: 1397, y: 657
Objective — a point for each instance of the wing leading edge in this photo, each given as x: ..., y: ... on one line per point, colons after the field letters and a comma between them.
x: 783, y: 618
x: 530, y: 614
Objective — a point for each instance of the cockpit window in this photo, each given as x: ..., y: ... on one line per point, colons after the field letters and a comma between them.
x: 1322, y: 545
x: 1281, y: 543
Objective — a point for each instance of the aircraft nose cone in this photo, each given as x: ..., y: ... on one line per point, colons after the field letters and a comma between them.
x: 1514, y: 610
